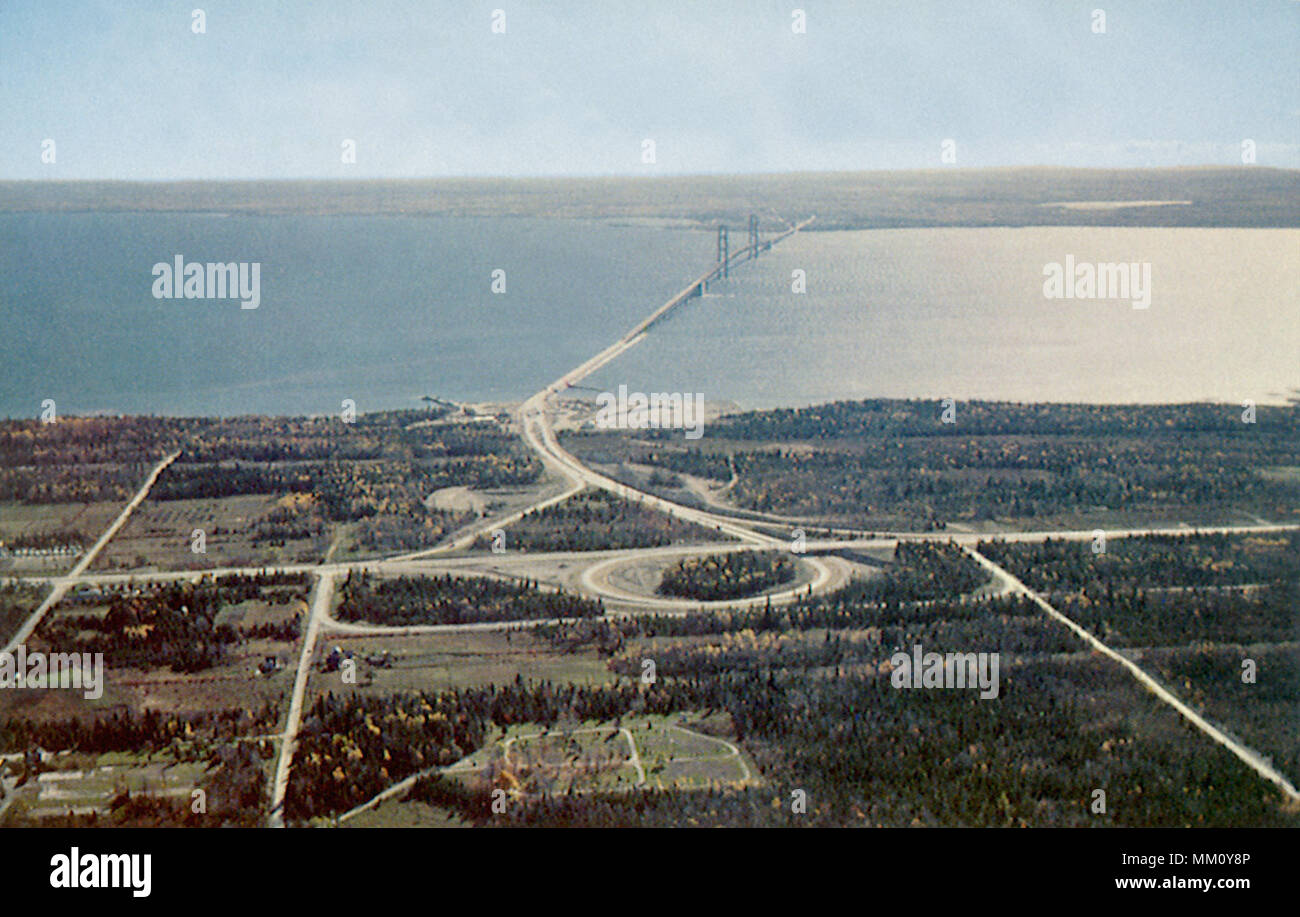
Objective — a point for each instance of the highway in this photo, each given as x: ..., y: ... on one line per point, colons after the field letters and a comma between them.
x: 534, y: 421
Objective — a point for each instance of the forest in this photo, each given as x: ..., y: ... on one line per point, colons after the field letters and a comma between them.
x: 17, y: 600
x: 173, y: 624
x: 807, y: 693
x: 895, y: 463
x: 187, y: 736
x: 377, y: 469
x: 352, y: 746
x: 863, y: 752
x: 1134, y: 617
x: 718, y: 577
x: 448, y: 599
x: 866, y: 754
x: 882, y: 417
x: 596, y: 520
x: 803, y: 687
x: 1148, y: 561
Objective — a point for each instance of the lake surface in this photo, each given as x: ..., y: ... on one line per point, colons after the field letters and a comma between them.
x: 962, y: 313
x: 383, y: 310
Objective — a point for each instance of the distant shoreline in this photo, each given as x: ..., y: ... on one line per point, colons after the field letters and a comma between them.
x: 715, y: 410
x: 1210, y: 196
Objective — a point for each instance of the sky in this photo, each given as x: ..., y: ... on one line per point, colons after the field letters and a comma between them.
x: 128, y: 90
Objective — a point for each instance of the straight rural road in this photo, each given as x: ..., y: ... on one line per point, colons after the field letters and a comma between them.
x: 319, y: 611
x: 1253, y: 759
x: 60, y: 586
x: 536, y: 431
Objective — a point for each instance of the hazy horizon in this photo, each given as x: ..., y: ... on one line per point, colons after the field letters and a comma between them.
x: 131, y: 92
x: 621, y: 176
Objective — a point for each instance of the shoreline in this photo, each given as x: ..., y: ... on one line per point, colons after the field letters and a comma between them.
x: 1237, y: 196
x: 714, y: 408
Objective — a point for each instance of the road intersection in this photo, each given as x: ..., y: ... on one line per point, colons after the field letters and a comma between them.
x: 533, y: 418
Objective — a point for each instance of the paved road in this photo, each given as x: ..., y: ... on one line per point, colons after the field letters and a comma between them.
x: 535, y: 425
x: 595, y: 580
x: 1253, y: 759
x: 537, y: 433
x: 319, y: 611
x: 467, y: 537
x: 61, y: 585
x: 966, y: 538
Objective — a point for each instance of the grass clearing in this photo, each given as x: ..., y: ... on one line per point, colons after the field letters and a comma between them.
x: 647, y: 752
x: 432, y: 662
x: 84, y: 789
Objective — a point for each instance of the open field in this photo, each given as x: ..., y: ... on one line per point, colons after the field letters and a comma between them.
x: 91, y: 788
x: 235, y: 683
x: 399, y: 813
x: 72, y: 526
x: 162, y: 536
x: 665, y: 753
x: 254, y: 490
x: 416, y: 683
x: 181, y: 650
x: 455, y: 660
x: 222, y: 787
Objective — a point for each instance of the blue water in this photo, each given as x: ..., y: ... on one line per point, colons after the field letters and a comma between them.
x: 383, y: 310
x: 961, y: 313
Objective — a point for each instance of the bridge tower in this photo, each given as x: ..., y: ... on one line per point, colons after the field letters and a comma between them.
x: 753, y: 235
x: 724, y: 253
